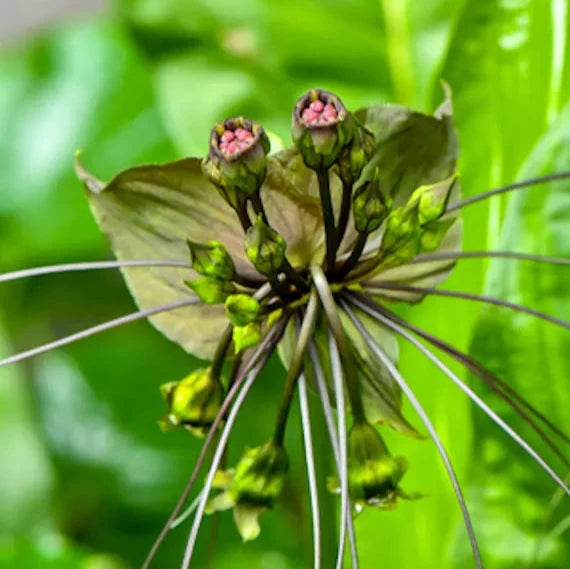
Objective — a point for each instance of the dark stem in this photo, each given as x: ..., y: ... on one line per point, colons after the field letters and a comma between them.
x: 508, y: 188
x: 328, y: 215
x: 344, y: 213
x: 294, y: 276
x: 351, y: 375
x: 241, y: 211
x: 355, y: 254
x: 259, y: 357
x: 295, y: 368
x: 375, y: 287
x: 258, y: 207
x: 221, y: 351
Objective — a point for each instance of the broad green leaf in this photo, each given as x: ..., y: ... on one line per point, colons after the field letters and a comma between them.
x: 532, y: 356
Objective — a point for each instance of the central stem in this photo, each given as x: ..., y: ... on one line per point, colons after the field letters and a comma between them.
x: 328, y: 215
x: 295, y: 368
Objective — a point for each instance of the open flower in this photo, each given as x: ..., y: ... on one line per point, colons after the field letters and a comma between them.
x: 280, y: 265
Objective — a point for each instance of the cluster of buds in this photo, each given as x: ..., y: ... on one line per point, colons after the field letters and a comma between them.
x: 193, y: 402
x: 253, y: 487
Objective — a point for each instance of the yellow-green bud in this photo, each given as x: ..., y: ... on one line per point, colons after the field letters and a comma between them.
x: 321, y: 128
x: 433, y: 199
x: 401, y: 226
x: 212, y: 260
x: 241, y: 309
x: 246, y: 337
x: 260, y: 475
x: 433, y: 234
x: 195, y: 401
x: 373, y: 474
x: 264, y: 247
x: 369, y: 206
x: 211, y: 290
x: 355, y: 155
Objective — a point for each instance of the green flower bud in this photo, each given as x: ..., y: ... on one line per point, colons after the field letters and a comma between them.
x: 241, y: 309
x: 373, y: 474
x: 369, y: 206
x: 211, y: 290
x: 402, y: 225
x: 265, y: 248
x: 237, y: 159
x: 260, y: 475
x: 193, y: 402
x: 433, y: 234
x: 246, y: 337
x: 432, y: 200
x: 211, y: 259
x: 321, y: 128
x: 355, y: 155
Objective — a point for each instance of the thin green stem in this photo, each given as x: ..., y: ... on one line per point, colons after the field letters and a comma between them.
x: 221, y: 351
x: 328, y: 215
x: 351, y: 376
x: 351, y: 262
x: 295, y: 367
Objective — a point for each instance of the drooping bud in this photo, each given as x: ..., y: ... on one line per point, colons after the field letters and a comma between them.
x: 321, y: 128
x: 211, y: 290
x: 354, y: 156
x: 245, y: 337
x: 253, y: 487
x: 373, y: 474
x: 193, y: 402
x: 370, y: 207
x: 432, y: 200
x: 237, y: 159
x: 241, y: 309
x: 212, y: 260
x: 264, y: 247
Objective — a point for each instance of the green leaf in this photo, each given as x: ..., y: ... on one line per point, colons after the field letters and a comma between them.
x: 533, y: 357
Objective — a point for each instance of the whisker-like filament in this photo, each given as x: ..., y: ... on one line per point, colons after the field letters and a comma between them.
x: 428, y: 424
x: 187, y: 512
x: 508, y: 188
x: 333, y: 436
x: 90, y: 266
x: 379, y: 316
x: 493, y: 382
x: 99, y: 328
x: 311, y: 473
x: 444, y: 255
x: 377, y: 286
x: 255, y: 363
x: 345, y: 512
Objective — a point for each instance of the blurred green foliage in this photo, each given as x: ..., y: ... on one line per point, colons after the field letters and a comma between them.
x: 87, y: 478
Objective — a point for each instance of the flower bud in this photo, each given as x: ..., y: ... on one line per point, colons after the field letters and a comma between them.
x: 237, y: 159
x: 402, y: 226
x: 241, y: 309
x: 193, y: 402
x: 264, y: 247
x: 245, y: 337
x: 253, y: 487
x: 432, y: 200
x: 211, y: 259
x: 321, y: 128
x: 373, y: 474
x: 211, y: 290
x: 355, y: 155
x: 369, y: 206
x: 433, y: 234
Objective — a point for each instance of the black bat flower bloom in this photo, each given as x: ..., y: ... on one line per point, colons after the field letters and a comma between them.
x: 304, y: 253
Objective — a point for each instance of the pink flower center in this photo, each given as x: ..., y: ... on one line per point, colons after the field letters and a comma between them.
x: 319, y: 112
x: 234, y: 141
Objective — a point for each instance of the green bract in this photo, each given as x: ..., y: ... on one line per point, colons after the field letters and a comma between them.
x: 241, y: 309
x: 211, y: 259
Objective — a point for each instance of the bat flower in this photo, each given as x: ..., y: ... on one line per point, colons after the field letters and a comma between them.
x: 305, y: 253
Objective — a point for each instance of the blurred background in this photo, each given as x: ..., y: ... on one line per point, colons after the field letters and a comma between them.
x: 86, y: 477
